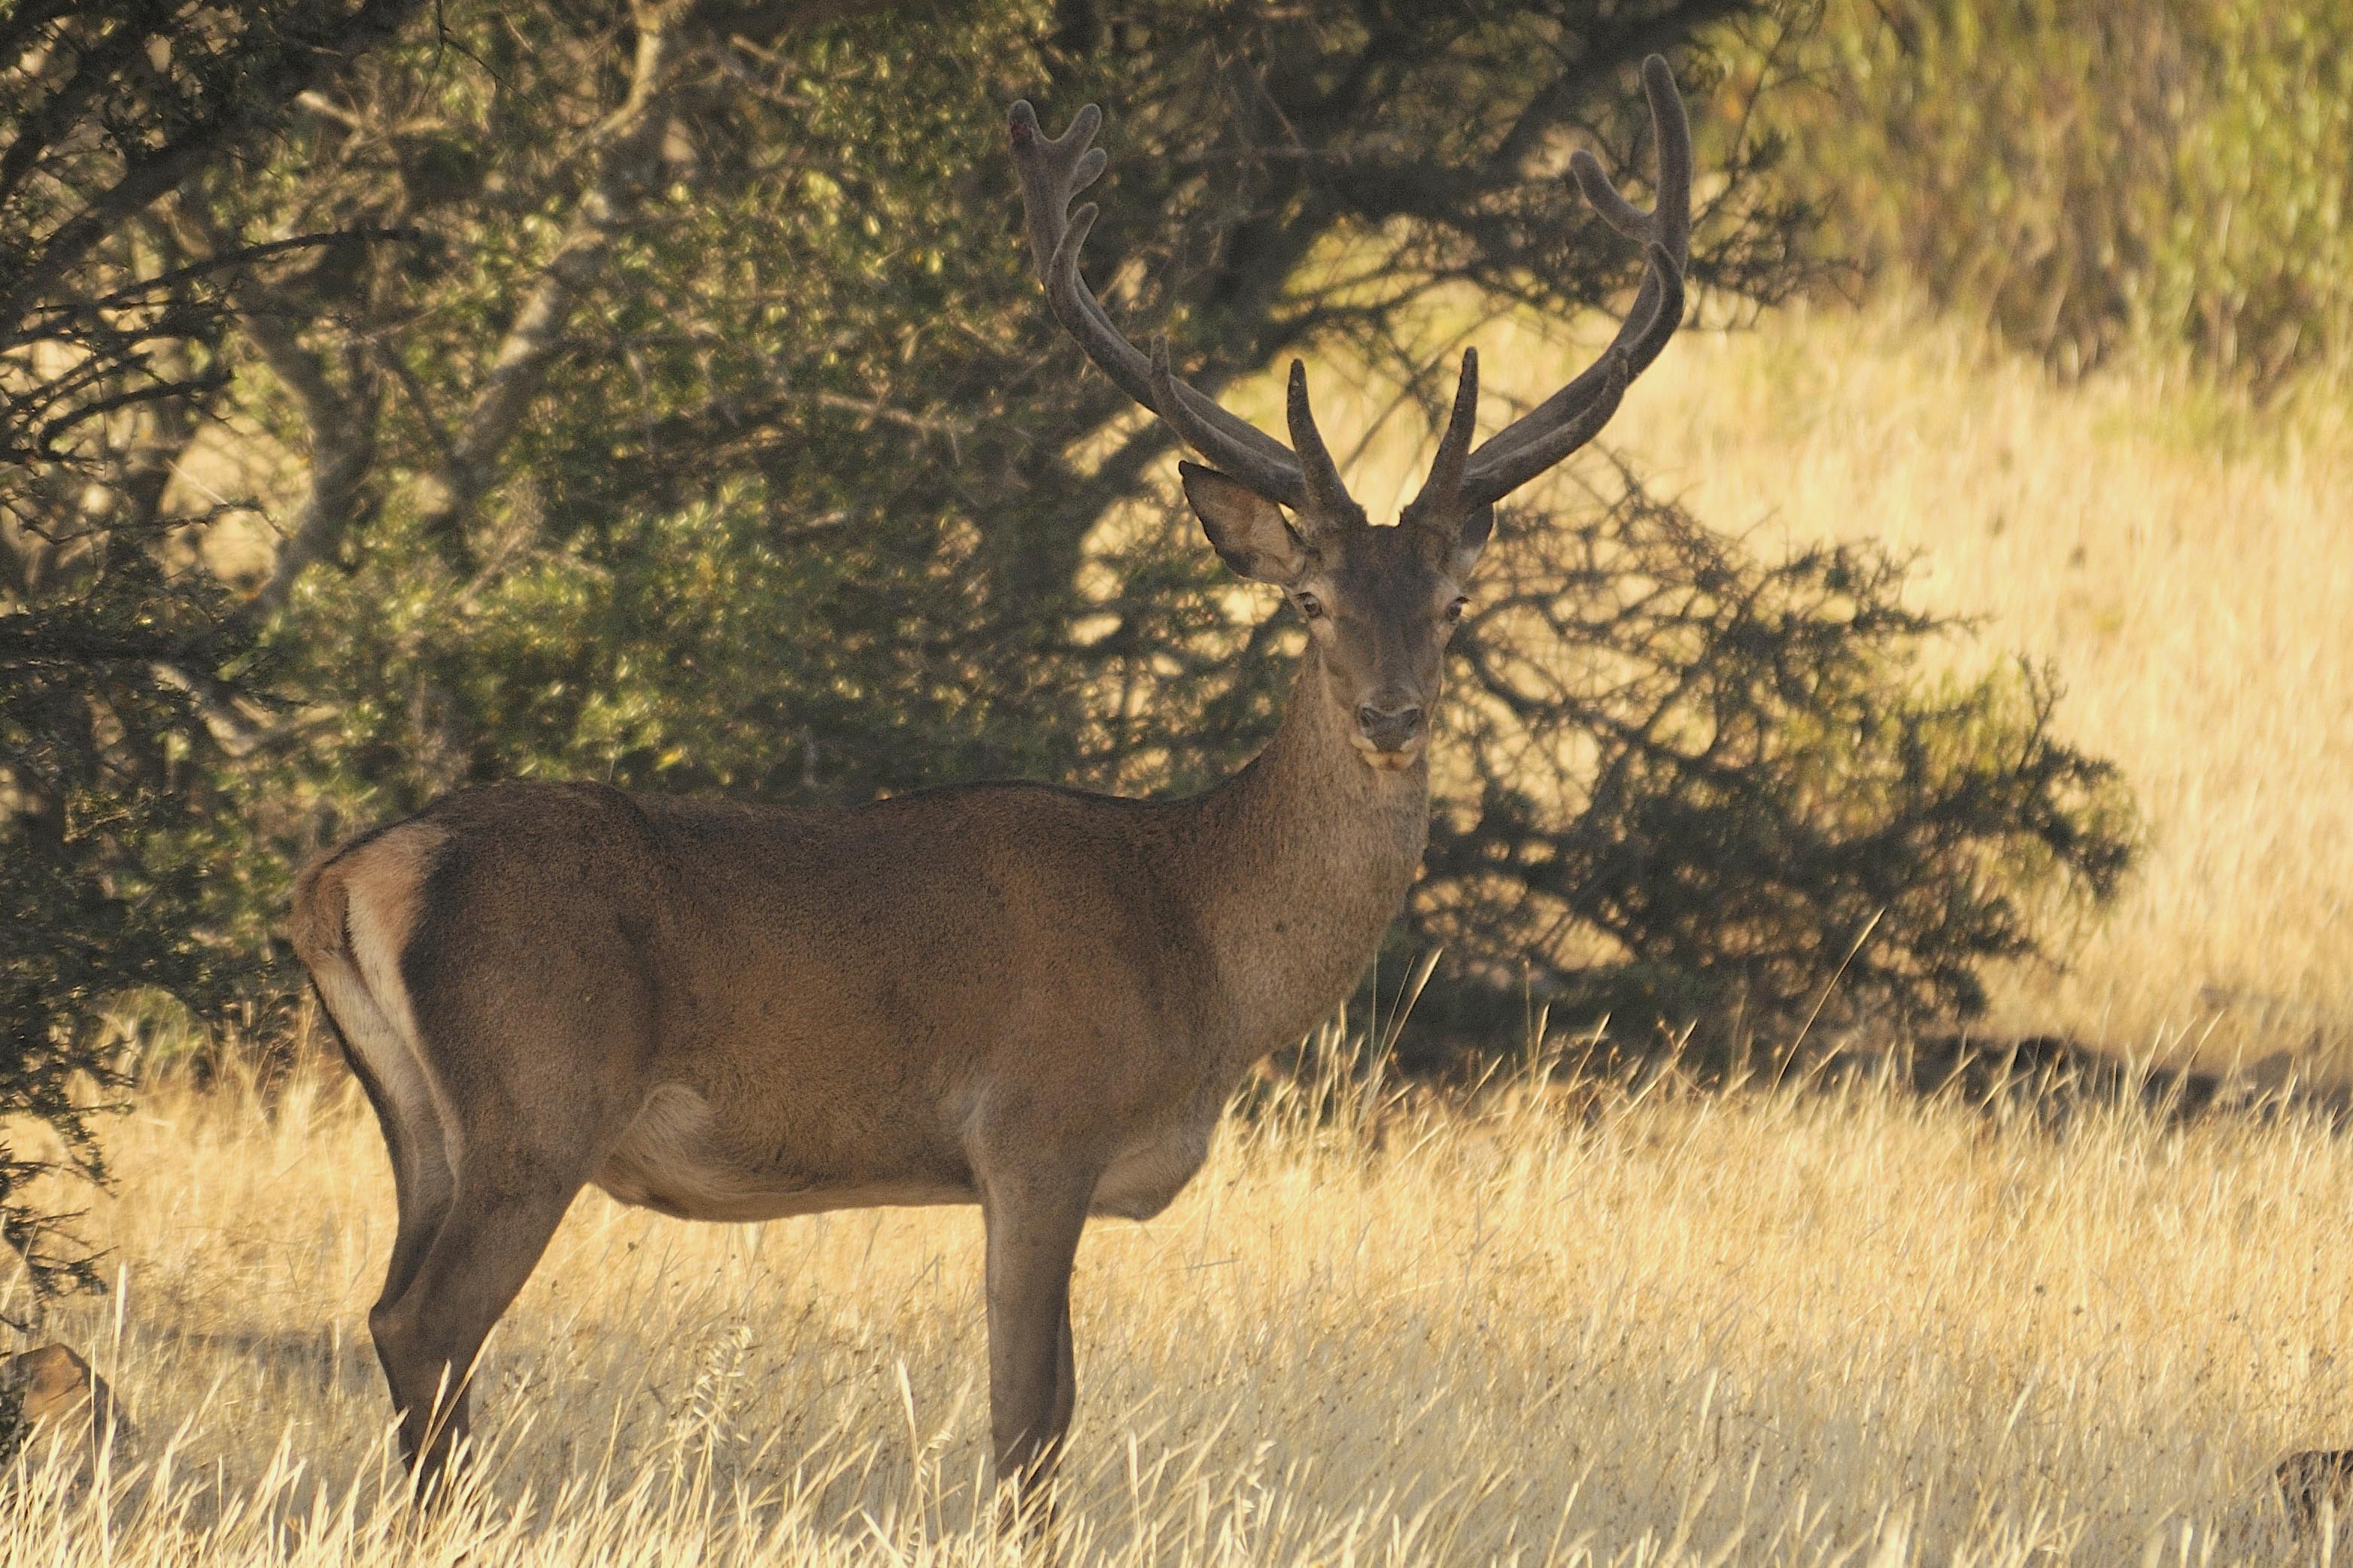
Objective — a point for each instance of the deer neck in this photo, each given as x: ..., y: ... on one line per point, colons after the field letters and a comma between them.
x: 1307, y: 853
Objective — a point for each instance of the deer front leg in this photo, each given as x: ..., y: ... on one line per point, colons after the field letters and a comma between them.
x: 1033, y: 1237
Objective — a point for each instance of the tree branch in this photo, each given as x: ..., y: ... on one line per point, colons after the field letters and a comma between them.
x: 343, y: 434
x: 628, y: 141
x: 1609, y: 54
x: 152, y: 175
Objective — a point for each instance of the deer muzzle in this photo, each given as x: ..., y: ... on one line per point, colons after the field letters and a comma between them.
x: 1390, y: 731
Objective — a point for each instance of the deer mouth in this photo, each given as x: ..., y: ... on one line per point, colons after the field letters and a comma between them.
x: 1389, y: 759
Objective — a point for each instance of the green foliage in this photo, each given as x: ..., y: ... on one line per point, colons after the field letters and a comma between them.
x: 2167, y: 172
x: 122, y: 661
x: 827, y: 505
x: 106, y: 865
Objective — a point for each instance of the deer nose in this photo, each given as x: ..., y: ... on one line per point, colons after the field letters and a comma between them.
x: 1389, y: 728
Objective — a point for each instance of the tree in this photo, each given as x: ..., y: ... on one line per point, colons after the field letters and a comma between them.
x: 705, y: 430
x: 2164, y: 174
x: 137, y: 698
x: 122, y: 664
x: 827, y: 509
x: 825, y: 505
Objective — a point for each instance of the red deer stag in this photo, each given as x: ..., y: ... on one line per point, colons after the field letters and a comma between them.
x: 1028, y: 997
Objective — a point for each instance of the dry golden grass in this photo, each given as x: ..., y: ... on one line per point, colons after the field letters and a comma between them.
x: 1594, y: 1327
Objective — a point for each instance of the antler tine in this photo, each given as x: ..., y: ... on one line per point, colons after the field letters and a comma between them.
x: 1498, y: 468
x: 1321, y: 474
x: 1438, y: 491
x: 1668, y: 223
x: 1543, y: 436
x: 1053, y: 169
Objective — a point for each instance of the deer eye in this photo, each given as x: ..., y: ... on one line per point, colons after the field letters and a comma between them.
x: 1454, y: 610
x: 1310, y: 606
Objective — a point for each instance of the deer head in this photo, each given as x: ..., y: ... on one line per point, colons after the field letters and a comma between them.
x: 1380, y: 603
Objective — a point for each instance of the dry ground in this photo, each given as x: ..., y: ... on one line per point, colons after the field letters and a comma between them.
x: 1608, y: 1328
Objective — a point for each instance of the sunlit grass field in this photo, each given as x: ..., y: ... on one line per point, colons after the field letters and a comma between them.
x: 1609, y: 1324
x: 1606, y: 1324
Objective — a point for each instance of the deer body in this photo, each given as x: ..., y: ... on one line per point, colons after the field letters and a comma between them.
x: 771, y: 1012
x: 1028, y: 997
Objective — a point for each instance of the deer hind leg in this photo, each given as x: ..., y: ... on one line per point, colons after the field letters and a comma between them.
x: 536, y: 1095
x: 359, y: 985
x: 353, y: 919
x: 506, y: 1206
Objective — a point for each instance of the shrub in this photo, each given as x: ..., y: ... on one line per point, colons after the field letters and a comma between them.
x: 1703, y: 785
x: 2173, y: 173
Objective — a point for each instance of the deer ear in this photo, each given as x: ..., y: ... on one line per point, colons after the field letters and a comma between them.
x: 1248, y: 530
x: 1472, y: 541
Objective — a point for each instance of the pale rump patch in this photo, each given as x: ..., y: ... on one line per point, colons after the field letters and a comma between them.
x: 380, y: 887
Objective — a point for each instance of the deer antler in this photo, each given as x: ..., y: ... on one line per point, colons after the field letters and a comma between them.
x: 1461, y: 482
x: 1053, y: 171
x: 1303, y: 476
